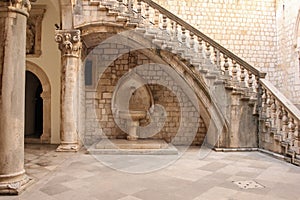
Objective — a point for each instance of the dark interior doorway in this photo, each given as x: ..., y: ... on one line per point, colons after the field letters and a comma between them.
x: 33, y: 106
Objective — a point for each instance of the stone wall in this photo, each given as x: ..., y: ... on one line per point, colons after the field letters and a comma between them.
x: 100, y: 120
x: 287, y: 72
x: 50, y: 62
x: 263, y: 32
x: 247, y: 27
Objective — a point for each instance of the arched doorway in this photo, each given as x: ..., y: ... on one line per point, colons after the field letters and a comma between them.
x: 37, y: 105
x: 33, y: 107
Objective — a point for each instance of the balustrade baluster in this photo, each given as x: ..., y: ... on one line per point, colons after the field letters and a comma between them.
x: 291, y: 129
x: 269, y: 103
x: 208, y: 53
x: 172, y: 32
x: 297, y: 136
x: 183, y: 36
x: 130, y: 6
x: 285, y: 121
x: 156, y: 18
x: 120, y: 6
x: 234, y: 72
x: 192, y: 41
x: 147, y: 15
x: 217, y: 58
x: 164, y: 24
x: 264, y: 103
x: 139, y: 8
x: 176, y: 32
x: 200, y: 47
x: 250, y: 84
x: 226, y: 66
x: 279, y: 119
x: 256, y: 86
x: 273, y: 113
x: 242, y: 76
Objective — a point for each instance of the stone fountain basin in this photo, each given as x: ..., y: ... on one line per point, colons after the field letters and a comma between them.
x: 134, y: 115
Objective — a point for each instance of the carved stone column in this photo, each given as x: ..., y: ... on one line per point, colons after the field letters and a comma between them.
x: 13, y: 18
x: 70, y: 46
x: 45, y: 138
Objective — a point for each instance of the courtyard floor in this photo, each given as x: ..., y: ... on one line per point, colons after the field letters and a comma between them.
x: 218, y: 176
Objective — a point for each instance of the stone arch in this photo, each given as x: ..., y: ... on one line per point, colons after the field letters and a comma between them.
x: 46, y: 96
x: 212, y: 117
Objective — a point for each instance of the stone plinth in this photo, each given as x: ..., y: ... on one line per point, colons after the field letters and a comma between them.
x: 137, y: 147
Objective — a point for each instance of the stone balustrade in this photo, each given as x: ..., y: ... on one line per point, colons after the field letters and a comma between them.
x: 203, y: 53
x: 280, y: 119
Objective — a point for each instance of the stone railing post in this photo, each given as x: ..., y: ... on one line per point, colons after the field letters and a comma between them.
x: 13, y: 19
x: 70, y: 45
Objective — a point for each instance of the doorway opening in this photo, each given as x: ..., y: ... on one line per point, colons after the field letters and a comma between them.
x: 33, y: 107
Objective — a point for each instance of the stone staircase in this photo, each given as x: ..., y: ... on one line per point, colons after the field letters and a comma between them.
x: 279, y: 120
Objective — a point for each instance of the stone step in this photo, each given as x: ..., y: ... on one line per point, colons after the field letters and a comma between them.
x: 140, y: 30
x: 158, y: 42
x: 137, y: 147
x: 112, y: 13
x: 121, y: 19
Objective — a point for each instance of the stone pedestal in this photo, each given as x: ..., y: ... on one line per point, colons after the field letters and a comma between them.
x: 132, y: 128
x: 13, y: 18
x: 70, y: 46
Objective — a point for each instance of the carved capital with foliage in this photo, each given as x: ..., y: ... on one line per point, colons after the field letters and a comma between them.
x: 24, y: 5
x: 68, y: 42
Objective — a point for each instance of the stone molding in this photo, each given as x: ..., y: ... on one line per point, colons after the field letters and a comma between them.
x: 69, y: 42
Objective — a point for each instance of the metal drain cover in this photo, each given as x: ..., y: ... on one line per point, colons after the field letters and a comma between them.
x: 248, y: 185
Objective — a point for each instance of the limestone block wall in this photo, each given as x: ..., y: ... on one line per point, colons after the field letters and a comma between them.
x: 99, y: 117
x: 287, y: 73
x: 247, y: 28
x: 263, y: 32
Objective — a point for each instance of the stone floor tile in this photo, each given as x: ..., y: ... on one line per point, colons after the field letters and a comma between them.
x: 219, y: 193
x: 213, y: 166
x: 54, y: 189
x: 81, y: 176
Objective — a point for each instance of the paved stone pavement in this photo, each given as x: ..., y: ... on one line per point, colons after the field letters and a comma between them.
x: 219, y: 176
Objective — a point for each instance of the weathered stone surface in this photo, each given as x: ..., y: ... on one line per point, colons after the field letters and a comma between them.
x: 70, y: 45
x: 12, y: 91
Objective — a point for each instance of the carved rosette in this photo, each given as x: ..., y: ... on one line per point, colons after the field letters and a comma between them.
x: 68, y: 42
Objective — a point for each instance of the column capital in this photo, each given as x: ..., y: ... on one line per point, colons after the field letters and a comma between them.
x: 21, y: 6
x: 69, y: 42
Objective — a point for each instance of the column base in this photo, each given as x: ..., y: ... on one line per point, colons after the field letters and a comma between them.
x: 68, y: 148
x: 15, y: 187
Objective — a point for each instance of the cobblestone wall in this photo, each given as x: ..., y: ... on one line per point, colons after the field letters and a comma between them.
x: 99, y: 117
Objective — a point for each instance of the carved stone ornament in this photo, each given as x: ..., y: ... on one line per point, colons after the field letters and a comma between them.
x: 34, y: 31
x: 68, y: 42
x: 19, y: 4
